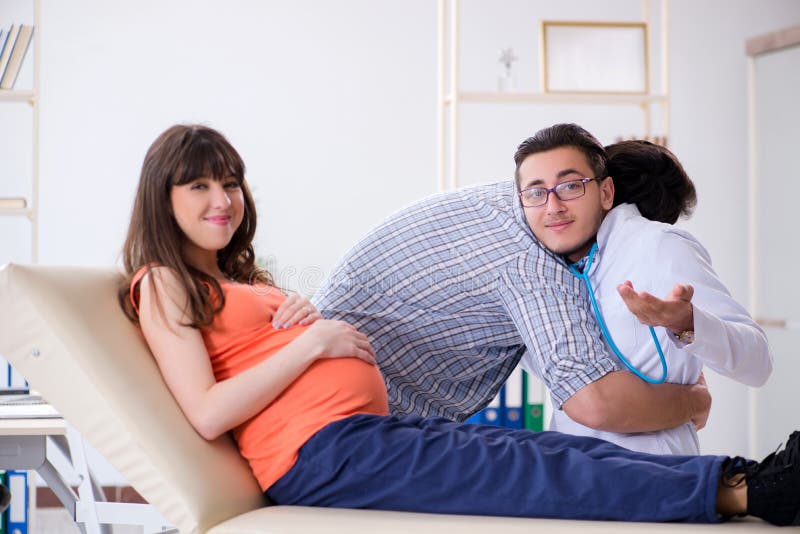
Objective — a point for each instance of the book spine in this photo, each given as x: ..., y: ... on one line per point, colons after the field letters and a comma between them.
x: 9, y: 45
x: 533, y: 403
x: 18, y: 508
x: 23, y: 41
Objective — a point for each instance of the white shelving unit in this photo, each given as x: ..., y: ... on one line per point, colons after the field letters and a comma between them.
x: 451, y: 96
x: 30, y: 97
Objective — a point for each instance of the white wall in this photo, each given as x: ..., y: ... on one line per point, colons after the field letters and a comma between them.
x: 332, y: 105
x: 710, y: 136
x: 776, y: 77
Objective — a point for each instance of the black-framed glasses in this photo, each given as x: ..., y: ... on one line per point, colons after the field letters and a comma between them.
x: 533, y: 197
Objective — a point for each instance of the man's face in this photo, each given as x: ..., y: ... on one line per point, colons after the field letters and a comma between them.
x: 565, y: 227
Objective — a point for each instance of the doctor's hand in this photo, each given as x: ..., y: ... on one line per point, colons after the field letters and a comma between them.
x: 701, y: 392
x: 295, y: 310
x: 675, y: 312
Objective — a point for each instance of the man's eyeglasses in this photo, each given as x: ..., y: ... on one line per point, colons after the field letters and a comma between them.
x: 534, y: 197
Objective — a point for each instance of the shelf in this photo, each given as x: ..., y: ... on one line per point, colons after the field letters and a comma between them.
x: 557, y: 98
x: 451, y: 97
x: 16, y: 212
x: 780, y: 324
x: 14, y: 95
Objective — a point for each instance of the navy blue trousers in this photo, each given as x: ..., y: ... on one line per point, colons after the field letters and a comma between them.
x: 431, y: 464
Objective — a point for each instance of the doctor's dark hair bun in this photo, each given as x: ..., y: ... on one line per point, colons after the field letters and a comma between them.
x: 651, y: 177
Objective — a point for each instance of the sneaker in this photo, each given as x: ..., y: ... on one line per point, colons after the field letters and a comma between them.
x: 773, y: 485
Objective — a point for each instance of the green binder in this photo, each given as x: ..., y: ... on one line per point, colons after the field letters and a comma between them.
x: 532, y: 403
x: 4, y: 515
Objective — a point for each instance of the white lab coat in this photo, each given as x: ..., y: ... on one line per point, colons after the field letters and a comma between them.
x: 654, y: 257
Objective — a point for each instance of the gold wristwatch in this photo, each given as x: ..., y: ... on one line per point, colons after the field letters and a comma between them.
x: 686, y: 336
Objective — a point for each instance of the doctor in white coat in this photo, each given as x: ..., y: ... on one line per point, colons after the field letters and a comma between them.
x: 609, y: 214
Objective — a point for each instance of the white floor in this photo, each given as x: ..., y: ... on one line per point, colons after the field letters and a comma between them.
x: 58, y: 521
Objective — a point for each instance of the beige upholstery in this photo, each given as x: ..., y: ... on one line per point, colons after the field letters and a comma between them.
x: 62, y: 329
x: 94, y: 367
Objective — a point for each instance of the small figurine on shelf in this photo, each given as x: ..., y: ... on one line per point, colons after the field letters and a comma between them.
x: 505, y: 82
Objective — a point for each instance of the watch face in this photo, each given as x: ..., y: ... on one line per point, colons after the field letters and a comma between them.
x: 687, y: 336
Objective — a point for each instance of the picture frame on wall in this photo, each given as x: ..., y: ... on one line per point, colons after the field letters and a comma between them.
x: 595, y: 57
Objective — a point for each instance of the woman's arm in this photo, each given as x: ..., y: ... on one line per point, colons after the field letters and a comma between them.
x: 214, y: 407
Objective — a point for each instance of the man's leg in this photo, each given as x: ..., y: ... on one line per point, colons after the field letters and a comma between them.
x: 414, y: 464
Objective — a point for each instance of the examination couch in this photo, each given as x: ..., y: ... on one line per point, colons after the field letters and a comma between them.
x: 62, y: 329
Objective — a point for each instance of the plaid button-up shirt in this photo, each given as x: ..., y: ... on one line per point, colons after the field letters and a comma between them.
x: 452, y: 291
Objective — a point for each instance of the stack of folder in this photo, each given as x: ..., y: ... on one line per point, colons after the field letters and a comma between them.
x: 15, y: 519
x: 18, y: 402
x: 519, y: 404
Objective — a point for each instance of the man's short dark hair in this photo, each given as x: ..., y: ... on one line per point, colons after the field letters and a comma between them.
x: 561, y: 135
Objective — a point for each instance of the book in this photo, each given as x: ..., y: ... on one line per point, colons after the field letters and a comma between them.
x: 514, y: 390
x: 28, y: 410
x: 494, y: 413
x: 10, y: 391
x: 4, y: 482
x: 3, y: 39
x: 8, y: 44
x: 17, y: 513
x: 14, y: 379
x: 7, y: 398
x: 13, y: 203
x: 532, y: 402
x: 24, y: 36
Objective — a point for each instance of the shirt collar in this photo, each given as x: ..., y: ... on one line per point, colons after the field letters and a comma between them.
x: 580, y: 265
x: 614, y: 218
x: 519, y: 213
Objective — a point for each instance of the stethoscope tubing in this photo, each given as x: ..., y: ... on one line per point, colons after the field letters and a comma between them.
x: 604, y: 329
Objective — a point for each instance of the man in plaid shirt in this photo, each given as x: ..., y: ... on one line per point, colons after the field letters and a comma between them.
x: 452, y: 291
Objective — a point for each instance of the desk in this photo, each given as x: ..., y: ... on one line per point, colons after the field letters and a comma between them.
x: 23, y: 445
x: 33, y: 427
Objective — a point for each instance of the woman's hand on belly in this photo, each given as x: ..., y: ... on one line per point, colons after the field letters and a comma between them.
x: 296, y: 309
x: 337, y: 339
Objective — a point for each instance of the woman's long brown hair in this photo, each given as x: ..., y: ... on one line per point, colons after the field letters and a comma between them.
x: 179, y: 155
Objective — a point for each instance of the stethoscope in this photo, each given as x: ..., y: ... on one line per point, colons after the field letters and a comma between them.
x: 603, y: 328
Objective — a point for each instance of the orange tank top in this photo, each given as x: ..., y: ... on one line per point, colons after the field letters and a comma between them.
x: 240, y: 337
